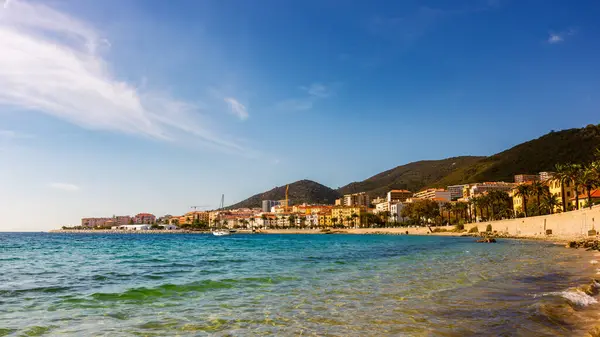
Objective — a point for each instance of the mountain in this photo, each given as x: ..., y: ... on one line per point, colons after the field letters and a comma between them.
x: 541, y: 154
x: 413, y: 176
x: 538, y: 155
x: 302, y: 191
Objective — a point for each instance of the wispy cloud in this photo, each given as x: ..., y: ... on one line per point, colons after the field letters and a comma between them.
x: 64, y: 187
x: 318, y: 90
x: 12, y: 134
x: 52, y: 63
x: 554, y: 38
x: 314, y: 92
x: 237, y: 108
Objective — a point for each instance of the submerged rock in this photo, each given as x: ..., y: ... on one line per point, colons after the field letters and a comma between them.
x: 487, y: 240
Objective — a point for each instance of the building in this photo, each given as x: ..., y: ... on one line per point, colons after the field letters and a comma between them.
x: 523, y: 178
x: 96, y: 222
x: 357, y: 199
x: 339, y: 202
x: 325, y: 219
x: 456, y: 191
x: 169, y: 227
x: 382, y: 207
x: 545, y: 176
x: 398, y: 195
x: 144, y: 218
x: 140, y: 227
x: 583, y: 199
x: 378, y: 200
x: 437, y: 194
x: 474, y: 190
x: 348, y: 215
x: 556, y: 189
x: 396, y: 212
x: 268, y: 204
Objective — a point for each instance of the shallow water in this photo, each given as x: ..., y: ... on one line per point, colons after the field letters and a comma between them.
x: 289, y: 285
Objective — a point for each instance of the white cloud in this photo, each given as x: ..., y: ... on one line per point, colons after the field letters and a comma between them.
x: 50, y: 63
x: 555, y: 38
x: 64, y: 186
x: 318, y: 90
x: 237, y: 108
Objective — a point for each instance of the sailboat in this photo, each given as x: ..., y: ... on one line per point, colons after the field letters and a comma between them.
x: 221, y: 232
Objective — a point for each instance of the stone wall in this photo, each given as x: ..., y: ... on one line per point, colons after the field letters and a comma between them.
x: 569, y: 224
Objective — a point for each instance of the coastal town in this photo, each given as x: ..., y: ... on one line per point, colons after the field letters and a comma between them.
x: 528, y: 195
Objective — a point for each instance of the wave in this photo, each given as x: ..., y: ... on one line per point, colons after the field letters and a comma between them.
x: 579, y: 297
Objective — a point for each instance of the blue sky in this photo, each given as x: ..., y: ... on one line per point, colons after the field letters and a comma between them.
x: 120, y: 107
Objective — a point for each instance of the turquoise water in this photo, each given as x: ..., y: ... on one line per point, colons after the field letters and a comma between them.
x: 288, y: 285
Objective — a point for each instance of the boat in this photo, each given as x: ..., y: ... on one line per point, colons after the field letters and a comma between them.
x: 220, y: 233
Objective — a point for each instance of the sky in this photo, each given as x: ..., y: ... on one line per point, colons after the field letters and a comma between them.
x: 119, y: 107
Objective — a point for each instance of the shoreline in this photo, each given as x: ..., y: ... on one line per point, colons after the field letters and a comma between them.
x: 424, y: 231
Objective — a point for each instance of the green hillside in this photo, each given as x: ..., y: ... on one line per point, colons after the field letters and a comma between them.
x: 541, y: 154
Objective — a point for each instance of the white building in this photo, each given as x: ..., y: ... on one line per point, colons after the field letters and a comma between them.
x: 382, y: 207
x: 169, y: 227
x: 395, y: 212
x: 134, y: 227
x: 434, y: 194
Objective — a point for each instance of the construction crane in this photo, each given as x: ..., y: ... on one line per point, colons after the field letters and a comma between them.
x: 287, y: 187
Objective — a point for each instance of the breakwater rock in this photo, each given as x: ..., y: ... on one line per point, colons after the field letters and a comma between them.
x: 589, y: 244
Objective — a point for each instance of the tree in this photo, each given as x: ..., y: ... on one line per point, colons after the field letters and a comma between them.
x: 523, y: 191
x: 575, y: 171
x: 348, y: 218
x: 421, y: 209
x: 292, y: 220
x: 562, y: 176
x: 448, y: 208
x: 334, y: 221
x: 588, y: 180
x: 354, y: 216
x: 538, y: 189
x: 549, y: 202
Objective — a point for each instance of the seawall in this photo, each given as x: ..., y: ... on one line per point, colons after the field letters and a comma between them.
x: 566, y: 225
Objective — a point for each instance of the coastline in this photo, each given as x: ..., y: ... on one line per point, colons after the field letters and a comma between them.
x: 446, y: 231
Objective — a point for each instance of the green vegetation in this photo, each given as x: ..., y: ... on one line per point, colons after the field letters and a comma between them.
x: 488, y: 228
x: 421, y: 210
x: 474, y: 229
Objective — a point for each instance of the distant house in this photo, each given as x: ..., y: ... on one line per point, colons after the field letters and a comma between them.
x: 169, y: 227
x: 133, y: 227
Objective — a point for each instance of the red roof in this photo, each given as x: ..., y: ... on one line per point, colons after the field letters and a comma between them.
x: 595, y: 195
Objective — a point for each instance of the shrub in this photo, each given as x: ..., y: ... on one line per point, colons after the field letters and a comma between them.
x: 488, y: 228
x: 459, y: 227
x: 439, y: 230
x: 474, y: 230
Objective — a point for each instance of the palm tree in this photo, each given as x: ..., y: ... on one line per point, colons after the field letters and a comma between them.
x: 575, y: 171
x: 523, y: 191
x: 448, y: 208
x: 354, y: 216
x: 538, y: 189
x: 348, y: 218
x: 562, y: 176
x: 588, y: 180
x: 334, y: 221
x: 475, y: 201
x: 550, y: 201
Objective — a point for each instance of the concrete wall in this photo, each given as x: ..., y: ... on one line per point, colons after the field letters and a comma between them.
x: 569, y: 224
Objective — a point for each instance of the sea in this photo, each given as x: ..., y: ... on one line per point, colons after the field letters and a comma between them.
x: 55, y: 284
